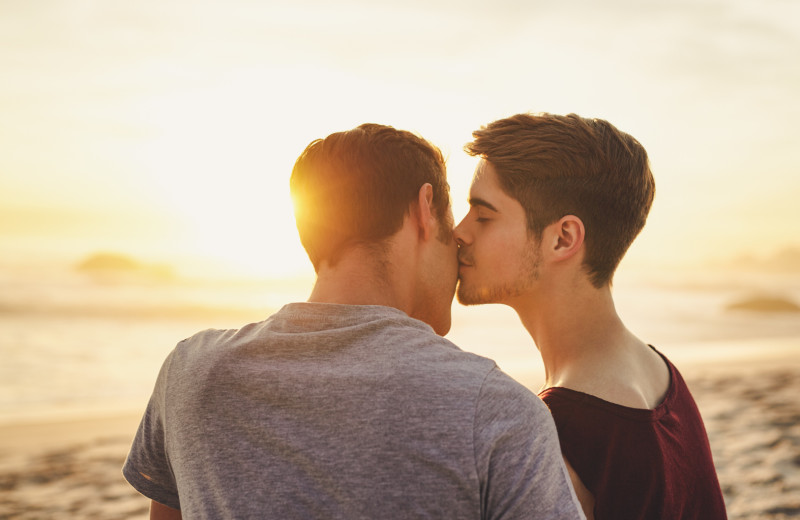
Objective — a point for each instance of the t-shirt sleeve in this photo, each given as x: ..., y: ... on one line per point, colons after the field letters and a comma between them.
x: 147, y: 467
x: 518, y: 457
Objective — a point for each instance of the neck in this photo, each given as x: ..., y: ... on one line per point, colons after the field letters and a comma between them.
x: 574, y: 329
x: 360, y: 277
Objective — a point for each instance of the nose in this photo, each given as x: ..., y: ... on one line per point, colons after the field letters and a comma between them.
x: 460, y: 234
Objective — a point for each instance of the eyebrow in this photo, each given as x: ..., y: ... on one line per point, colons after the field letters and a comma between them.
x: 475, y: 201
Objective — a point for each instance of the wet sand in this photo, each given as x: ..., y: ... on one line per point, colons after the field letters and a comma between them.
x: 753, y: 421
x: 71, y: 469
x: 68, y: 469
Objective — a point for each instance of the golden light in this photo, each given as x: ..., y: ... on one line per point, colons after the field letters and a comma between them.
x: 222, y: 173
x: 220, y: 156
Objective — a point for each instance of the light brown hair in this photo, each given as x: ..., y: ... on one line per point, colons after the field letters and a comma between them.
x: 569, y: 165
x: 355, y: 187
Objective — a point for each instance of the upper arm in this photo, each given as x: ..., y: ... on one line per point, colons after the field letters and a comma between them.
x: 520, y: 467
x: 159, y: 511
x: 148, y: 468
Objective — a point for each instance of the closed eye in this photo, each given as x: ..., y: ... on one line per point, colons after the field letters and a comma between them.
x: 481, y: 207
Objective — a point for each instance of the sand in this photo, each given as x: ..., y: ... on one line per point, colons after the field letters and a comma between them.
x: 753, y: 421
x: 71, y: 469
x: 68, y: 469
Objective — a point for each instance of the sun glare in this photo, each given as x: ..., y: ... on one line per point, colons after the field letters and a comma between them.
x: 220, y: 168
x: 219, y: 158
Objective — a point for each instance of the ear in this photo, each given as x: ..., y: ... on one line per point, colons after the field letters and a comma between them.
x: 426, y: 221
x: 565, y: 237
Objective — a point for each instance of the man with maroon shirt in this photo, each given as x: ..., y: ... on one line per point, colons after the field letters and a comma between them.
x: 554, y: 205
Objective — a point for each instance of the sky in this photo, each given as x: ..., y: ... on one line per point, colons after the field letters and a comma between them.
x: 167, y: 129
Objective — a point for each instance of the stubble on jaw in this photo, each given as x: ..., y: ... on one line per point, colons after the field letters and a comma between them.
x: 492, y: 293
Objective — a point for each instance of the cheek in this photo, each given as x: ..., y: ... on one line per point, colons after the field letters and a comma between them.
x: 501, y: 252
x: 493, y: 244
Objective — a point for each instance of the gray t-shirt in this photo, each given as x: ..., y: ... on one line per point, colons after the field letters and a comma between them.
x: 339, y: 411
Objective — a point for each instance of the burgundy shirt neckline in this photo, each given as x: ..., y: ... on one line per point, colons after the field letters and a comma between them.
x: 627, y: 412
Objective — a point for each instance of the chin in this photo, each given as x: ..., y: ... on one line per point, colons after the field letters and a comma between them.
x: 466, y: 296
x: 500, y: 293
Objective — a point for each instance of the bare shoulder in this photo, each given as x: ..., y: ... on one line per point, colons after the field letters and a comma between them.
x: 656, y: 380
x: 639, y: 379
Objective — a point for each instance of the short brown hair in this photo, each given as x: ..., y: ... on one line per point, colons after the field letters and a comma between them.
x: 355, y: 187
x: 568, y: 165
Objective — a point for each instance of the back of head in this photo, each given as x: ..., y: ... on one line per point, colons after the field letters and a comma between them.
x: 355, y: 188
x: 568, y: 165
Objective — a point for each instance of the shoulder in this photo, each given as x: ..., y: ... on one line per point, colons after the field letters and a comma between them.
x: 561, y: 398
x: 517, y: 453
x: 416, y: 344
x: 215, y: 339
x: 196, y: 355
x: 499, y: 383
x: 502, y: 398
x: 507, y: 413
x: 203, y: 340
x: 566, y: 405
x: 586, y: 419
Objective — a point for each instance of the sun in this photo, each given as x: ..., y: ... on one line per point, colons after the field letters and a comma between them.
x: 218, y: 160
x: 222, y: 174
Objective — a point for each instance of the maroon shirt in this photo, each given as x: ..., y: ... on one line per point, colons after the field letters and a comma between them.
x: 640, y: 464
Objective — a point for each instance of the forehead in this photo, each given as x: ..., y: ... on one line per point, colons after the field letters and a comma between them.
x: 485, y: 177
x: 486, y: 191
x: 486, y: 188
x: 483, y: 170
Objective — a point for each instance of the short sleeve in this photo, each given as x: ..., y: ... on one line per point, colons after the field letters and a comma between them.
x: 518, y: 457
x: 147, y: 467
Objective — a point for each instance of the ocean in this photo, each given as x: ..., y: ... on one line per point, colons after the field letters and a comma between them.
x: 79, y: 344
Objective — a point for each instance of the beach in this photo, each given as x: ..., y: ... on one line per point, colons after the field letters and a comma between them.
x: 81, y: 354
x: 71, y: 468
x: 752, y: 416
x: 68, y: 469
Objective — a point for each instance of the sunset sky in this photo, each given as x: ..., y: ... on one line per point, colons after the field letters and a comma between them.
x: 167, y: 129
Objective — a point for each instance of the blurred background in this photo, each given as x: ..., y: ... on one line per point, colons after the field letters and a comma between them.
x: 145, y: 151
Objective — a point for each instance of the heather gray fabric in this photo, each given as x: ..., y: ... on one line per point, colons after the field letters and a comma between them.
x: 337, y: 411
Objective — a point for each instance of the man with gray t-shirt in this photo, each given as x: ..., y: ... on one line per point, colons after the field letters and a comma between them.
x: 352, y: 405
